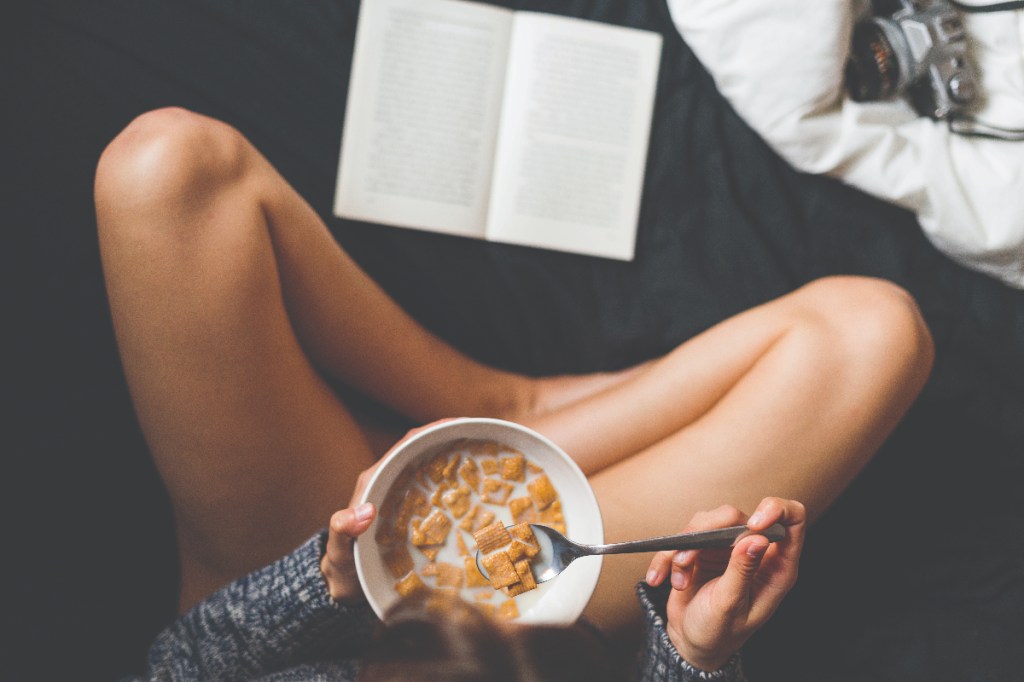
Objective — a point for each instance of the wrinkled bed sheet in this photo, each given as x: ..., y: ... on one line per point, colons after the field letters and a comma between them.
x: 916, y: 574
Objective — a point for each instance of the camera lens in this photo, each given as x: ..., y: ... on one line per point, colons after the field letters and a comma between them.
x: 873, y: 69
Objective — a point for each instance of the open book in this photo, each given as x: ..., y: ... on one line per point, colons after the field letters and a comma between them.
x: 515, y: 127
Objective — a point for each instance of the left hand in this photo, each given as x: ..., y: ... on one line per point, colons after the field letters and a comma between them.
x: 720, y: 597
x: 338, y: 563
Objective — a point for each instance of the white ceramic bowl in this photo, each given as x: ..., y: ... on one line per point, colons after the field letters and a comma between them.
x: 557, y: 601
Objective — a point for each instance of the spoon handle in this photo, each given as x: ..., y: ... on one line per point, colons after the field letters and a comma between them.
x: 720, y: 537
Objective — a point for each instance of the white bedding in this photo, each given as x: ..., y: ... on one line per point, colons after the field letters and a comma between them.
x: 780, y: 64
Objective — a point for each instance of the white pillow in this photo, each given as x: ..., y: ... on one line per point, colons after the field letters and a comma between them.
x: 780, y: 64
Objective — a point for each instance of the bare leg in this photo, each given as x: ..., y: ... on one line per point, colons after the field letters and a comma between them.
x: 229, y: 298
x: 790, y: 399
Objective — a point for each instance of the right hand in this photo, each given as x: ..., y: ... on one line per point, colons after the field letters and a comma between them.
x: 720, y: 597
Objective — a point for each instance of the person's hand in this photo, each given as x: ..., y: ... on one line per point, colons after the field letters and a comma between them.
x: 720, y: 597
x: 338, y: 563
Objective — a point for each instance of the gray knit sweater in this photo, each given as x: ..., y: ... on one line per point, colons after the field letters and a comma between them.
x: 279, y: 623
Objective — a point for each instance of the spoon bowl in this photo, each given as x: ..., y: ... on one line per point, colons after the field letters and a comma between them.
x: 558, y: 551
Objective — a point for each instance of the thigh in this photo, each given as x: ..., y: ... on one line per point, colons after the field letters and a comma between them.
x: 254, y: 447
x: 788, y: 399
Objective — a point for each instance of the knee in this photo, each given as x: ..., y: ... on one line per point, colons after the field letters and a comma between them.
x: 165, y: 161
x: 875, y: 323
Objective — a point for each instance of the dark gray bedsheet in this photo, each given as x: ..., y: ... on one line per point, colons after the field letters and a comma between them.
x: 917, y: 573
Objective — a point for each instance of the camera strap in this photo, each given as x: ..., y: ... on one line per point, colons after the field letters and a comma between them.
x: 972, y: 127
x: 968, y: 125
x: 988, y: 6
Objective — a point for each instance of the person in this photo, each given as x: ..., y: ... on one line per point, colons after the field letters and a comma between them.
x: 236, y: 313
x: 304, y: 617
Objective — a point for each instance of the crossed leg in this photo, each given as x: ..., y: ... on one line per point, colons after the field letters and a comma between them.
x: 790, y: 399
x: 231, y: 302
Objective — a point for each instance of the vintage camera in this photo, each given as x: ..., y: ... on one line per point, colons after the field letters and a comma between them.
x: 916, y: 49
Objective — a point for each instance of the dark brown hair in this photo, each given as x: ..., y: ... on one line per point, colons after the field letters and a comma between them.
x: 445, y: 639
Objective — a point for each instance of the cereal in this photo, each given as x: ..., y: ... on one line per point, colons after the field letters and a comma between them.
x: 410, y: 584
x: 449, y: 575
x: 458, y: 501
x: 477, y: 491
x: 433, y: 530
x: 513, y: 468
x: 542, y: 492
x: 451, y: 469
x: 522, y: 510
x: 470, y: 473
x: 507, y: 610
x: 474, y: 578
x: 495, y: 491
x: 479, y: 518
x: 553, y: 517
x: 492, y: 537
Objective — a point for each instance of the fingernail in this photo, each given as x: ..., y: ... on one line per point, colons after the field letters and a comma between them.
x: 757, y: 549
x: 652, y: 576
x: 363, y: 511
x: 679, y: 580
x: 755, y: 519
x: 682, y: 557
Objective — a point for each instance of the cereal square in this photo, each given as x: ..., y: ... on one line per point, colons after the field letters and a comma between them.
x: 458, y: 501
x: 542, y: 492
x: 495, y: 491
x: 515, y: 589
x: 434, y: 469
x: 492, y: 537
x: 521, y: 550
x: 470, y: 473
x: 477, y: 519
x: 525, y: 574
x: 450, y: 575
x: 410, y: 584
x: 507, y: 609
x: 513, y: 468
x: 522, y: 531
x: 451, y: 469
x: 434, y: 529
x: 474, y: 578
x: 500, y: 569
x: 522, y: 510
x: 553, y: 517
x: 435, y: 499
x: 461, y: 544
x: 416, y: 502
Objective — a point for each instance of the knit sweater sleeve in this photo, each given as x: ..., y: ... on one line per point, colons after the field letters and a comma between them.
x: 660, y: 662
x: 275, y: 618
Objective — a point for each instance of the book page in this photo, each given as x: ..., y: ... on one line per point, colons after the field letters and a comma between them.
x: 422, y: 114
x: 575, y: 129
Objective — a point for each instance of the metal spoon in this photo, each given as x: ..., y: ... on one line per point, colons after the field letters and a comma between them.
x: 558, y: 551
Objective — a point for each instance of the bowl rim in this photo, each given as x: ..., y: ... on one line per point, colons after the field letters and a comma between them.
x: 584, y: 574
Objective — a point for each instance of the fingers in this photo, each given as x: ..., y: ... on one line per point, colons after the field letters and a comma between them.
x: 337, y: 564
x: 734, y: 587
x: 345, y: 526
x: 790, y: 514
x: 771, y: 510
x: 680, y: 564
